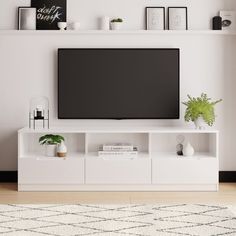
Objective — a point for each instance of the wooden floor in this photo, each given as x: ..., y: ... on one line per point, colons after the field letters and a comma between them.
x: 9, y: 195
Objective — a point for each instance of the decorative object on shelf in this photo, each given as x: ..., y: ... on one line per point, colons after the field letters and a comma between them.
x: 125, y: 150
x: 51, y: 141
x: 228, y: 20
x: 61, y: 149
x: 62, y: 25
x: 75, y: 25
x: 26, y: 18
x: 39, y: 111
x: 217, y: 23
x: 177, y: 18
x: 188, y: 150
x: 49, y: 13
x: 116, y: 24
x: 179, y: 147
x: 155, y: 18
x: 105, y: 23
x: 200, y: 109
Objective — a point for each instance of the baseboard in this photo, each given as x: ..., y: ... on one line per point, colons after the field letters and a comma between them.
x: 8, y: 176
x: 227, y: 176
x: 11, y: 176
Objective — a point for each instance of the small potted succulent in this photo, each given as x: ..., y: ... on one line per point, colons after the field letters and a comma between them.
x: 51, y: 141
x: 200, y: 110
x: 116, y: 24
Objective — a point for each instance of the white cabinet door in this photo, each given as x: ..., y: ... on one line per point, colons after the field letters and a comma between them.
x: 184, y: 171
x: 43, y: 171
x: 100, y: 171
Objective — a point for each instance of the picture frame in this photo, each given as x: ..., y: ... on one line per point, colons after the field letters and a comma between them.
x: 49, y: 13
x: 228, y: 20
x: 155, y: 18
x: 177, y: 18
x: 26, y: 18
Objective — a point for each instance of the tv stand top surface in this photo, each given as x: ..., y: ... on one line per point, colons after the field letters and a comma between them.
x: 115, y: 129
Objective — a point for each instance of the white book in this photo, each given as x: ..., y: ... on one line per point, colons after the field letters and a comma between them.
x: 117, y: 153
x: 117, y: 146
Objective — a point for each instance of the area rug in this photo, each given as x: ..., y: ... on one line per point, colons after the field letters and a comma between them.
x: 116, y: 220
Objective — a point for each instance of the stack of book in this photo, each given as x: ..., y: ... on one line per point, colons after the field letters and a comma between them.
x: 118, y: 150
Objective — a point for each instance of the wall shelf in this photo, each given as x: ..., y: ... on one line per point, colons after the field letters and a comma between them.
x: 118, y: 32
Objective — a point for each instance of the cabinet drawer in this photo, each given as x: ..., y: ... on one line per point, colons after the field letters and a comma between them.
x: 184, y: 171
x: 43, y: 171
x: 100, y: 171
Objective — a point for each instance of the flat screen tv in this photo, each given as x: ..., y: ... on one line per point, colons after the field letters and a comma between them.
x: 118, y: 83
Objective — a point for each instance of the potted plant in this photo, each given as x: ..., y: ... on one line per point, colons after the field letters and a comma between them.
x: 116, y: 24
x: 200, y: 110
x: 51, y: 141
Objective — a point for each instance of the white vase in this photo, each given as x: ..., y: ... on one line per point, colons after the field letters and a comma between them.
x: 105, y: 23
x: 61, y: 150
x: 200, y: 123
x: 75, y: 25
x: 116, y: 25
x: 62, y: 25
x: 188, y: 150
x: 50, y: 150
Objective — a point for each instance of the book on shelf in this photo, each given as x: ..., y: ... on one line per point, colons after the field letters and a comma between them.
x: 117, y: 147
x: 118, y: 153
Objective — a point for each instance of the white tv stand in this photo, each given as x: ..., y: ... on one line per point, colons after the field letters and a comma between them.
x: 157, y: 167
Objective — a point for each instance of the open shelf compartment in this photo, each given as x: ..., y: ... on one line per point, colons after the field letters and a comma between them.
x: 163, y: 145
x: 95, y: 140
x: 29, y: 146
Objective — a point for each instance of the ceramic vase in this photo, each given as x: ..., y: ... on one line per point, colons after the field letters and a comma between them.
x: 105, y: 23
x: 62, y: 25
x: 50, y: 150
x: 61, y: 150
x: 188, y: 150
x: 75, y: 25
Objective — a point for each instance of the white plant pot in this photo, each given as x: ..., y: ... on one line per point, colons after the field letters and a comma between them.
x: 116, y: 25
x: 200, y: 123
x: 188, y: 150
x: 50, y: 150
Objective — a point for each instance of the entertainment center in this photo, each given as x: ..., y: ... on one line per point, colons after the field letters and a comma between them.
x: 157, y: 167
x: 114, y: 84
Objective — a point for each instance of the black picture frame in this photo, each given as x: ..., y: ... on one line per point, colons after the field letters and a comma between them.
x: 19, y: 15
x: 186, y: 15
x: 146, y: 16
x: 49, y: 13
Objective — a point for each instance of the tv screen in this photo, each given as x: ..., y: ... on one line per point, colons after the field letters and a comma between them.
x: 116, y: 83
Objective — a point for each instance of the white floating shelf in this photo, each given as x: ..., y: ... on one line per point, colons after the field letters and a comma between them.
x: 116, y: 32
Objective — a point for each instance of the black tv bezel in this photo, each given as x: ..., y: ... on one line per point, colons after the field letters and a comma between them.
x: 120, y: 118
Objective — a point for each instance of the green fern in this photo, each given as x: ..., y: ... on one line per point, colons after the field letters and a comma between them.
x: 51, y: 139
x: 200, y: 106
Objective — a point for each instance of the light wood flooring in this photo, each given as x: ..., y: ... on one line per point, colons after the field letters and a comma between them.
x: 9, y: 195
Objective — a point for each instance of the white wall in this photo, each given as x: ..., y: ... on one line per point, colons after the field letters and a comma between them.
x: 28, y: 66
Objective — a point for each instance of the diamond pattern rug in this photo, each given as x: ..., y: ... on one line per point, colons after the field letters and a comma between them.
x: 116, y: 220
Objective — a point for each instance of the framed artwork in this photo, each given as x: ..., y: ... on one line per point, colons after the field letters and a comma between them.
x: 155, y: 18
x: 26, y: 18
x: 177, y: 18
x: 228, y: 20
x: 49, y: 13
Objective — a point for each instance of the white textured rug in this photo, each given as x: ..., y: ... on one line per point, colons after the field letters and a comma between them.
x: 116, y: 220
